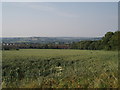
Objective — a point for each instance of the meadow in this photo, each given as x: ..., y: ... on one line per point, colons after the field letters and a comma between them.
x: 59, y: 68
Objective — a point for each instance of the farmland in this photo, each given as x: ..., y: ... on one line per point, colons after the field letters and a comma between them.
x: 59, y: 68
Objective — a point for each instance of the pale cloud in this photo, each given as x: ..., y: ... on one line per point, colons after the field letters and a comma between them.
x: 50, y: 9
x: 39, y: 7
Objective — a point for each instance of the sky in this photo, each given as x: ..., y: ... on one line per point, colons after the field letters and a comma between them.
x: 59, y: 19
x: 60, y: 0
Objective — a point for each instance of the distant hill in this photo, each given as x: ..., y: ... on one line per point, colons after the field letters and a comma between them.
x: 45, y: 40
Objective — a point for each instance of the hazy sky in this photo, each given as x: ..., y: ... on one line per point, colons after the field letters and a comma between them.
x: 77, y: 19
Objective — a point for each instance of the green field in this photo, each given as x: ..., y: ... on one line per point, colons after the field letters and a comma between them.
x: 55, y: 68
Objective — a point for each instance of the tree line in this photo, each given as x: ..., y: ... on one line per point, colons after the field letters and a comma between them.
x: 18, y: 46
x: 109, y: 42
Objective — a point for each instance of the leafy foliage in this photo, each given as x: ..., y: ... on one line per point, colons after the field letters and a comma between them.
x: 108, y: 42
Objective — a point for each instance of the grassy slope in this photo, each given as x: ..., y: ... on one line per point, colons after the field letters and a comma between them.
x: 41, y: 68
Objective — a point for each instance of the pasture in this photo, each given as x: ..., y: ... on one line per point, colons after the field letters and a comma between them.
x: 59, y: 68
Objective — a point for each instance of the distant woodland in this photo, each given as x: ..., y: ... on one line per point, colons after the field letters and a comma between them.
x: 109, y: 42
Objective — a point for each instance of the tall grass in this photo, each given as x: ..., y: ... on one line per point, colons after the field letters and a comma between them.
x: 48, y: 68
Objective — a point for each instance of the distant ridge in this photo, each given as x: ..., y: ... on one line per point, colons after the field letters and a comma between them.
x: 45, y: 40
